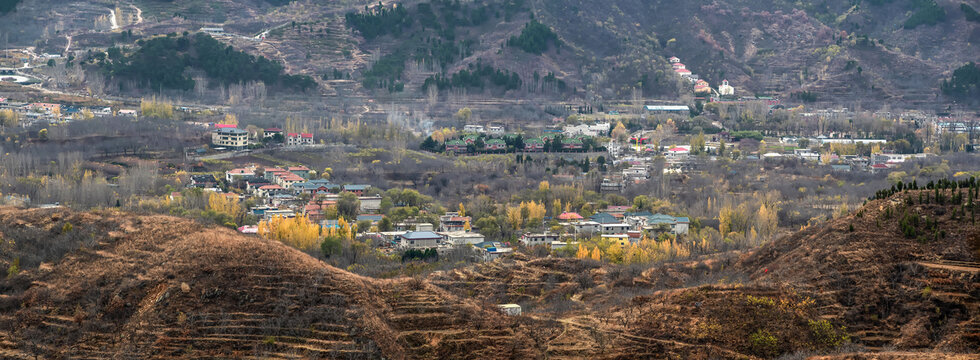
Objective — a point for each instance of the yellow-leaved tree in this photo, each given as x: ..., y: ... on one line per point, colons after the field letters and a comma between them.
x: 582, y: 253
x: 514, y: 217
x: 297, y: 232
x: 225, y: 204
x: 596, y: 254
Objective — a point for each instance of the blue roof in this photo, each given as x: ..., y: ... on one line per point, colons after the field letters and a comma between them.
x: 421, y: 235
x: 604, y: 218
x: 370, y: 217
x: 356, y: 187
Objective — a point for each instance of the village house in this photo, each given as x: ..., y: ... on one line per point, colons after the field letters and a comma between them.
x: 302, y: 171
x: 370, y: 204
x: 236, y: 174
x: 297, y: 139
x: 373, y: 218
x: 659, y: 223
x: 725, y: 89
x: 586, y: 227
x: 356, y: 188
x: 621, y: 239
x: 420, y: 240
x: 702, y: 87
x: 496, y: 130
x: 462, y: 237
x: 269, y: 190
x: 451, y: 221
x: 538, y: 239
x: 455, y: 146
x: 615, y: 228
x: 203, y: 181
x: 570, y: 216
x: 572, y: 144
x: 233, y: 138
x: 534, y: 145
x: 492, y: 250
x: 510, y: 309
x: 609, y: 185
x: 473, y: 129
x: 636, y: 172
x: 495, y: 145
x: 271, y: 132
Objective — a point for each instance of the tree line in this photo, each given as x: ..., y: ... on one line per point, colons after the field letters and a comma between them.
x: 475, y: 76
x: 162, y: 62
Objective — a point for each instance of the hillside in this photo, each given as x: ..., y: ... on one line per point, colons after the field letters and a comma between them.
x: 845, y: 53
x: 169, y: 288
x: 108, y: 284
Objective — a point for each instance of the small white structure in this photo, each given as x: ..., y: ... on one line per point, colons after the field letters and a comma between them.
x: 473, y: 129
x: 496, y: 130
x: 510, y: 309
x: 725, y: 89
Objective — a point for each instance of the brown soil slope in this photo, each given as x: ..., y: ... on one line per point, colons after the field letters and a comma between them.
x: 164, y: 287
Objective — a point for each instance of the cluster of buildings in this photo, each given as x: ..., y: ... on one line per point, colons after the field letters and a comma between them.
x: 228, y: 136
x: 480, y: 129
x: 37, y: 112
x: 701, y: 87
x: 617, y: 223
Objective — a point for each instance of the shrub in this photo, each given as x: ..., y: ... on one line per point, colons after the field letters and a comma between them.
x: 764, y: 343
x: 14, y: 268
x: 828, y: 336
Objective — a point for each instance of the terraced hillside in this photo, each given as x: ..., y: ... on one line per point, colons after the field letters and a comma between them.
x: 875, y: 284
x: 163, y: 287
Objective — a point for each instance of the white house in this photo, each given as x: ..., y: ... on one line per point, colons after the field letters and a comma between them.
x: 496, y: 130
x: 235, y: 174
x: 229, y: 137
x: 420, y: 240
x: 463, y: 237
x: 473, y: 129
x: 726, y: 89
x: 538, y: 239
x: 586, y: 227
x: 618, y: 228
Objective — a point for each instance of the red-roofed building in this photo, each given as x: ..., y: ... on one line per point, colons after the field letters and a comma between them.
x: 678, y: 151
x: 683, y: 72
x: 570, y: 216
x: 296, y: 139
x: 674, y: 59
x: 677, y: 66
x: 269, y: 190
x: 225, y: 126
x: 270, y: 132
x: 315, y: 210
x: 235, y: 174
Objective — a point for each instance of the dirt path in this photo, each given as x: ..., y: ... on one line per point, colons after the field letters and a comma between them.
x: 952, y: 266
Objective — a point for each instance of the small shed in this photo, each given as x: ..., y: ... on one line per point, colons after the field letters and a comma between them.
x: 510, y: 309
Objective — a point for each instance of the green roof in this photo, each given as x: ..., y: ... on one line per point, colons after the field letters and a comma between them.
x: 534, y: 141
x: 495, y: 142
x: 455, y: 142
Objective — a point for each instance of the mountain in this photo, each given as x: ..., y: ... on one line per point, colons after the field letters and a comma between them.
x: 833, y: 53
